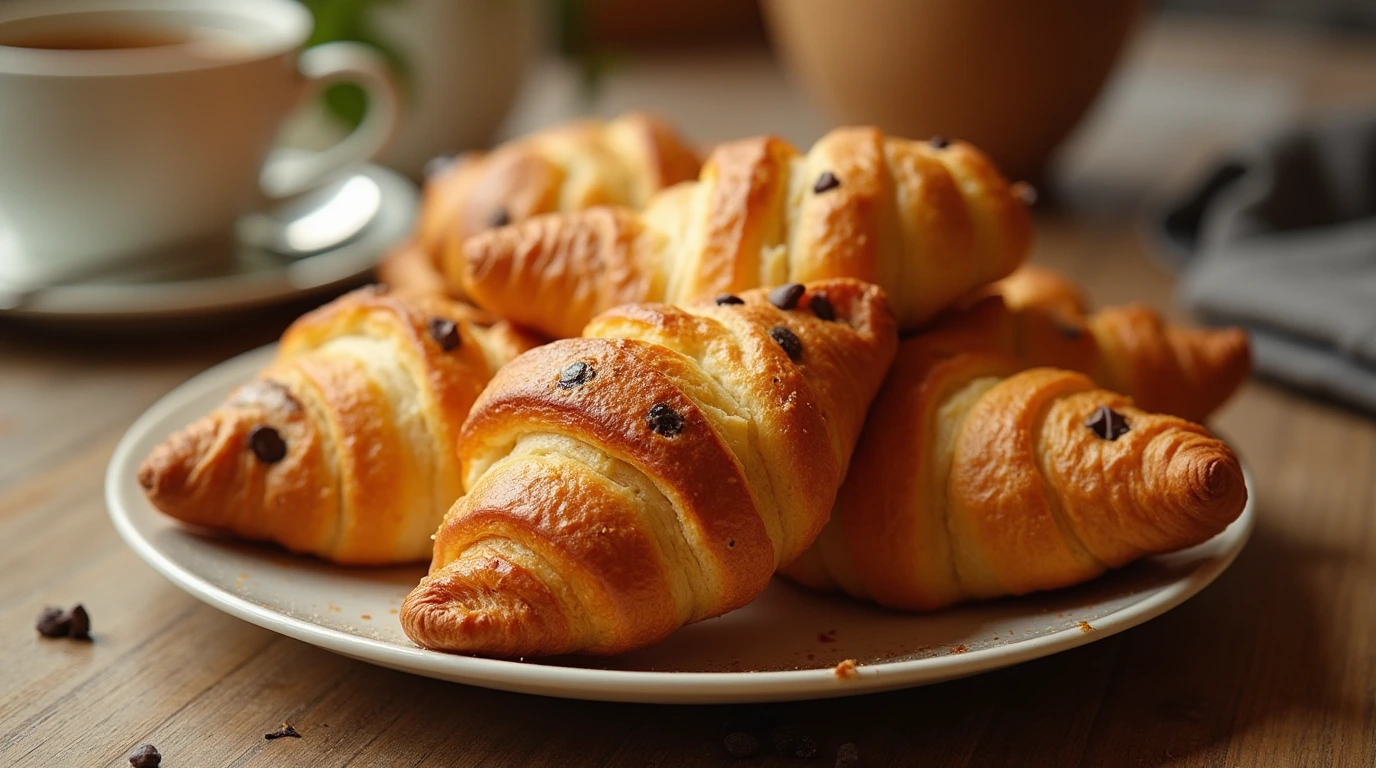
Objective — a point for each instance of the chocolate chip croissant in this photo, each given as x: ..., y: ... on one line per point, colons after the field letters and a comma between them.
x: 975, y: 479
x: 567, y: 167
x: 1040, y: 317
x: 653, y: 473
x: 926, y: 221
x: 345, y: 447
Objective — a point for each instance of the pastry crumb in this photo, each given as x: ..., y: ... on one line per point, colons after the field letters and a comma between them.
x: 959, y: 649
x: 846, y: 670
x: 1085, y: 627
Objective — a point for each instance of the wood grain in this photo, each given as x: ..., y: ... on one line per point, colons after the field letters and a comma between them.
x: 1273, y: 665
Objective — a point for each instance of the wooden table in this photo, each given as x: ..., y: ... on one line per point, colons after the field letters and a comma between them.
x: 1273, y: 665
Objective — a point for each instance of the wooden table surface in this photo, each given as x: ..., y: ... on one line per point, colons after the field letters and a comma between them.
x: 1273, y: 665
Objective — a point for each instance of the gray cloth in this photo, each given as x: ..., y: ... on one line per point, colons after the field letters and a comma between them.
x: 1282, y: 240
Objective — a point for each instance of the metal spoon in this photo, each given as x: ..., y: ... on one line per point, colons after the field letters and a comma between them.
x: 316, y: 221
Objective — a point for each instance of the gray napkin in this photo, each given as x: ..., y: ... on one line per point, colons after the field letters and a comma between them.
x: 1282, y: 240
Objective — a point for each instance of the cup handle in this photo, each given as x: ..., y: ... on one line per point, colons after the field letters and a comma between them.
x: 323, y: 66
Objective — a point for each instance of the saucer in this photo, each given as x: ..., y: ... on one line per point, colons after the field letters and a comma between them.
x: 251, y: 276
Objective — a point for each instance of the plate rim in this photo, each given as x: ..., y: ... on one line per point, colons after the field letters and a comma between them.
x: 636, y: 686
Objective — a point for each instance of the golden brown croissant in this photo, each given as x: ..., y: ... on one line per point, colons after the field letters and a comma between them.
x: 972, y: 480
x: 1035, y: 287
x: 564, y: 168
x: 346, y: 445
x: 1130, y: 349
x: 926, y: 221
x: 652, y: 474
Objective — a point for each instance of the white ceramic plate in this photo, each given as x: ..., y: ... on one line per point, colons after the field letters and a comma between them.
x: 252, y: 277
x: 782, y: 646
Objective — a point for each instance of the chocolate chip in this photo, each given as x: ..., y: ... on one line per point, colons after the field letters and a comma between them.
x: 501, y: 218
x: 445, y: 332
x: 786, y: 296
x: 54, y: 622
x: 437, y: 165
x: 1068, y: 331
x: 729, y: 298
x: 664, y: 420
x: 827, y: 181
x: 283, y: 732
x: 145, y: 756
x: 848, y: 756
x: 576, y: 375
x: 741, y: 744
x: 821, y: 306
x: 81, y: 624
x: 267, y: 444
x: 1107, y: 423
x: 786, y: 339
x: 938, y: 142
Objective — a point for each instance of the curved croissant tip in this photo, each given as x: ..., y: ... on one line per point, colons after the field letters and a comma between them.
x: 1213, y: 484
x: 164, y: 474
x: 485, y: 606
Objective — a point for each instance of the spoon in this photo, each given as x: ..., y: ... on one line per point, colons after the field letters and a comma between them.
x: 315, y: 221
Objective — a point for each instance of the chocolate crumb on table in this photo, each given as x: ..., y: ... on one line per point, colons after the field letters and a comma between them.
x: 283, y: 732
x: 55, y: 622
x: 145, y: 756
x: 846, y: 670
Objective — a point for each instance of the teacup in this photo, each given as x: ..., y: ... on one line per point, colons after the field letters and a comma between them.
x: 130, y: 127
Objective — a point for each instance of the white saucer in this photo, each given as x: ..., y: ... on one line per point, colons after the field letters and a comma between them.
x: 783, y: 646
x: 251, y: 277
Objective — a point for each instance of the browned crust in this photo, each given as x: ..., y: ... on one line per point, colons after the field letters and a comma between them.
x: 605, y: 586
x: 348, y: 486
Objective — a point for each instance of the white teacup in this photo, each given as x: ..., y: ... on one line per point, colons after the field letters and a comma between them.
x: 130, y: 127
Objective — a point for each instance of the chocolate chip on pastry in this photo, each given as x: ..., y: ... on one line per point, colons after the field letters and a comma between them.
x: 267, y: 444
x: 576, y: 375
x: 445, y: 332
x: 786, y: 296
x: 821, y: 306
x: 826, y: 182
x: 1107, y: 423
x: 664, y: 420
x: 788, y: 340
x: 728, y: 299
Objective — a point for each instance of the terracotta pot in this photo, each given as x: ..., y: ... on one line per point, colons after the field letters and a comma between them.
x: 1011, y: 76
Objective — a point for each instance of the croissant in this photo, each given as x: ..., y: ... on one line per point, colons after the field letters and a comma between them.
x: 564, y: 168
x: 973, y: 480
x: 927, y: 221
x: 1129, y: 349
x: 1039, y: 288
x: 653, y: 473
x: 345, y: 447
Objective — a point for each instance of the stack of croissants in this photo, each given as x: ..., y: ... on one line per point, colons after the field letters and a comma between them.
x: 610, y: 390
